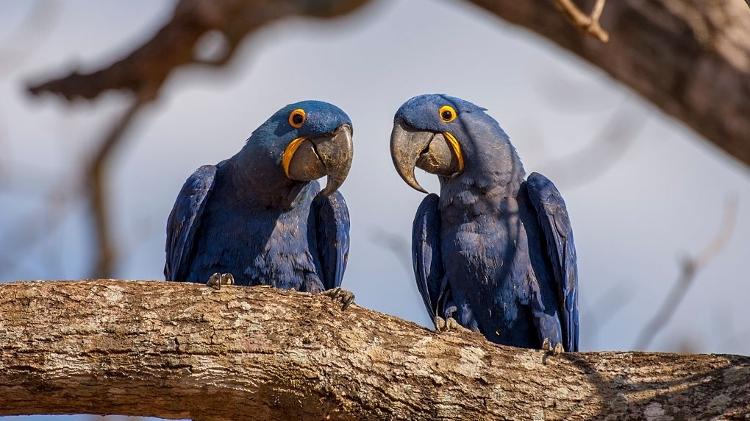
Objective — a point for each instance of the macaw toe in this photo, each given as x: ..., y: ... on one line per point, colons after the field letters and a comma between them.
x: 341, y: 295
x: 216, y: 280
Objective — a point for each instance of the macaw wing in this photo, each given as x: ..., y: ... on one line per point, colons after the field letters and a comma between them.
x: 558, y: 235
x: 332, y: 224
x: 426, y: 255
x: 184, y: 220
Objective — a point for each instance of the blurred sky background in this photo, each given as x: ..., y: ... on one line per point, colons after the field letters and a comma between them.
x: 642, y: 190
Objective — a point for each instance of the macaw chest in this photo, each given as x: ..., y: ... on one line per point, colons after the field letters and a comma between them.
x: 486, y: 248
x: 259, y: 247
x: 486, y: 262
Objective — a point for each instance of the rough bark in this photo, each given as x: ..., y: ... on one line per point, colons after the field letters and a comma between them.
x: 178, y: 350
x: 691, y: 58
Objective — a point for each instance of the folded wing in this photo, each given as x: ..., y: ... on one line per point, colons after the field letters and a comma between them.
x: 558, y: 235
x: 184, y: 220
x: 332, y: 225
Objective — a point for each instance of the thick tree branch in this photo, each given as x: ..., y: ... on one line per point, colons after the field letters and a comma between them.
x: 185, y: 350
x: 691, y: 58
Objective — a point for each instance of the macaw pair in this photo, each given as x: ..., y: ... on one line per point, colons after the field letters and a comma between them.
x: 493, y: 253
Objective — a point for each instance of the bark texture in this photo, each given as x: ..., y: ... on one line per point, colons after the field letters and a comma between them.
x: 691, y: 58
x: 184, y: 350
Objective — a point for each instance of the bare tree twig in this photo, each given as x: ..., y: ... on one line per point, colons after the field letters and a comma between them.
x: 96, y: 178
x: 689, y: 269
x: 586, y: 23
x: 596, y: 13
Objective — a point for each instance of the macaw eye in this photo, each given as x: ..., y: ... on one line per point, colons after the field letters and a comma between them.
x: 297, y: 118
x: 447, y: 113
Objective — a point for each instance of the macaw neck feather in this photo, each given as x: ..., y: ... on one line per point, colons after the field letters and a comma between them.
x: 260, y: 183
x: 493, y: 167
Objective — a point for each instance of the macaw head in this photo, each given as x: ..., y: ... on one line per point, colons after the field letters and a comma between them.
x: 452, y: 138
x: 301, y: 142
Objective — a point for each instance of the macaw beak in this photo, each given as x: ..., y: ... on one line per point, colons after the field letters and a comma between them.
x: 436, y: 153
x: 306, y: 159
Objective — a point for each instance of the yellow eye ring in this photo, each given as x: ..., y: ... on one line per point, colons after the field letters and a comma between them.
x: 447, y: 113
x: 297, y: 118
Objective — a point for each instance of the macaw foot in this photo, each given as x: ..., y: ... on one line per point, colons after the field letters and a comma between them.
x: 341, y: 295
x: 547, y: 347
x: 449, y: 324
x: 216, y: 280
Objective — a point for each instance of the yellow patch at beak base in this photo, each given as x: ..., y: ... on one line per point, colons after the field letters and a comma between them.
x: 456, y: 149
x: 286, y: 157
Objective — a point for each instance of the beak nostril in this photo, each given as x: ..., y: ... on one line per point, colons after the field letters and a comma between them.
x: 315, y: 151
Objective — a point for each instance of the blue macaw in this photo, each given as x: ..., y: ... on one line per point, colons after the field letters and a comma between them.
x: 493, y: 252
x: 259, y: 217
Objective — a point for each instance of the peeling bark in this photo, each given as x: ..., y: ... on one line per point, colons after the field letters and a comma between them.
x: 177, y: 350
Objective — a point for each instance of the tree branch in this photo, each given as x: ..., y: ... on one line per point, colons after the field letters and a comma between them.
x: 690, y: 58
x: 148, y: 66
x: 587, y: 23
x: 177, y: 350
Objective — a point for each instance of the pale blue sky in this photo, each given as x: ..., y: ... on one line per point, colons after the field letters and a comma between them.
x: 659, y: 199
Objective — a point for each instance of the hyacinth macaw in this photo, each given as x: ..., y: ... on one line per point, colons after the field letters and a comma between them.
x: 259, y: 217
x: 493, y: 252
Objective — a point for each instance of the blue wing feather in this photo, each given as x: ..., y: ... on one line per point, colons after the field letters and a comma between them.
x: 332, y: 224
x: 184, y: 220
x: 558, y: 234
x: 426, y: 255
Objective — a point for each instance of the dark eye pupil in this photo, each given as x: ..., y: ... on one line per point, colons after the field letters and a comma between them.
x: 297, y: 118
x: 447, y: 115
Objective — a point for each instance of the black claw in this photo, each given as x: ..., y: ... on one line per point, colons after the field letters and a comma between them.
x: 449, y: 324
x: 216, y: 280
x: 546, y: 345
x: 227, y: 279
x: 549, y: 350
x: 345, y: 297
x: 439, y: 323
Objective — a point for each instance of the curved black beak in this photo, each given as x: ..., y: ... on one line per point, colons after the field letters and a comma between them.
x: 436, y: 153
x: 308, y: 159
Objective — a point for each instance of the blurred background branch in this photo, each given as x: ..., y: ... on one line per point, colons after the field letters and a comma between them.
x: 144, y: 71
x: 586, y: 23
x: 692, y: 45
x: 95, y: 182
x: 689, y: 268
x: 148, y: 66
